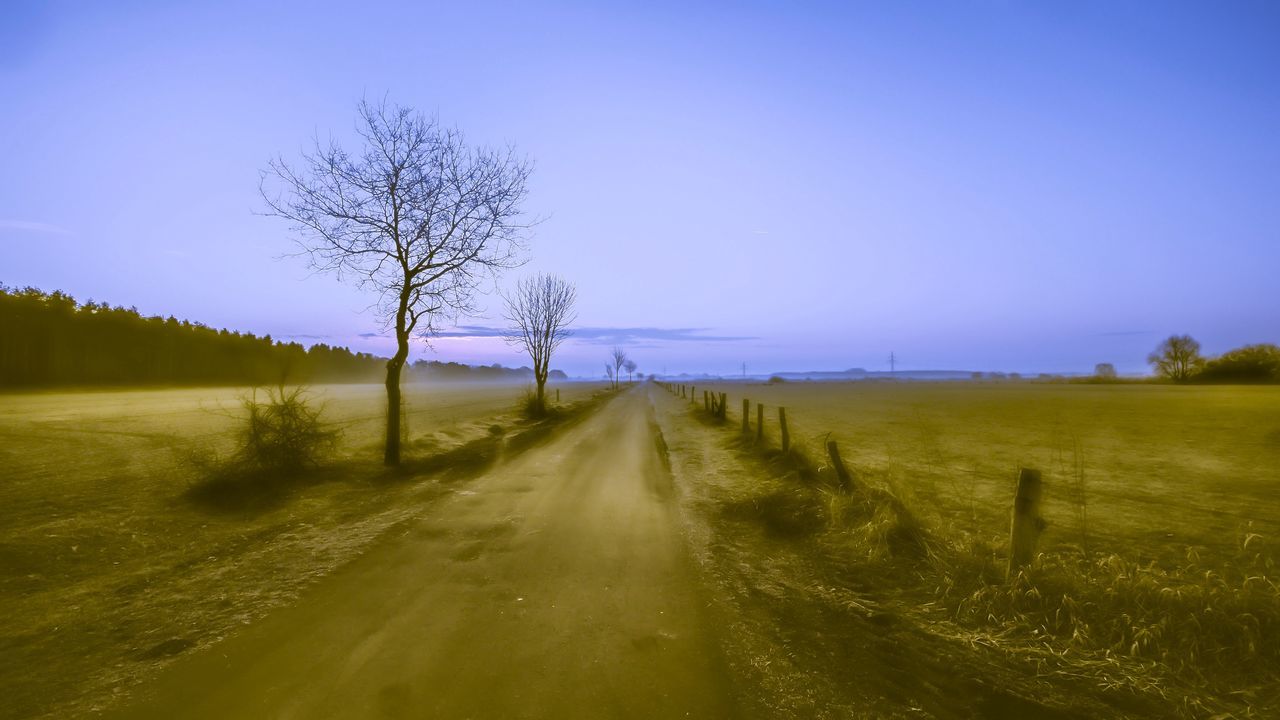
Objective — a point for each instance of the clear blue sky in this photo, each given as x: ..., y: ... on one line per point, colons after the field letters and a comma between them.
x: 985, y: 185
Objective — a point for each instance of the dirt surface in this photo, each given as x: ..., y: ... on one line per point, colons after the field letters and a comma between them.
x: 557, y: 585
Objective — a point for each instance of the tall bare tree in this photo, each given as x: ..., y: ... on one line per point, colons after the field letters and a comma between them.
x: 415, y: 215
x: 540, y: 310
x: 619, y: 358
x: 630, y: 366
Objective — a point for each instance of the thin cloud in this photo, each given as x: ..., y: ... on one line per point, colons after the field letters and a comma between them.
x: 1125, y: 333
x: 605, y: 335
x: 33, y: 227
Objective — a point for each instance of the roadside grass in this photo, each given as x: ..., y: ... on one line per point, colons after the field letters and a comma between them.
x: 1103, y: 605
x: 109, y: 562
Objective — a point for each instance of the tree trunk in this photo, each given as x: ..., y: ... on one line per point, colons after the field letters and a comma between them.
x: 391, y: 456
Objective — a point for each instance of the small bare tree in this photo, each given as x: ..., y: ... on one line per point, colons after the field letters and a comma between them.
x: 608, y: 372
x: 630, y: 366
x: 540, y: 311
x: 619, y: 357
x: 416, y: 216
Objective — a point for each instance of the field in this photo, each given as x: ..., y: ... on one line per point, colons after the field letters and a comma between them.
x: 110, y: 565
x: 1153, y: 588
x: 643, y: 539
x: 1165, y: 468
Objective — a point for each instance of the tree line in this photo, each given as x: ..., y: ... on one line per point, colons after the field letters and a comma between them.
x: 50, y: 339
x: 1178, y: 358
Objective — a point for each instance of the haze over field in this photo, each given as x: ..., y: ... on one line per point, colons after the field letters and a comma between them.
x: 1029, y: 188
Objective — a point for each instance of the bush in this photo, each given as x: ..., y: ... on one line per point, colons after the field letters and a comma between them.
x: 776, y: 380
x: 283, y: 433
x: 1248, y: 364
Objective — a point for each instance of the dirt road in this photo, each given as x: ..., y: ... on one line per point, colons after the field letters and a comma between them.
x: 555, y: 586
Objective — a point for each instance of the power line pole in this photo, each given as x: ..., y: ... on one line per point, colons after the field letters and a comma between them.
x: 893, y: 362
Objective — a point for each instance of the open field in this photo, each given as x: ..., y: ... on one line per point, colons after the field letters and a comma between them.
x: 1166, y: 606
x: 108, y: 567
x: 1165, y: 467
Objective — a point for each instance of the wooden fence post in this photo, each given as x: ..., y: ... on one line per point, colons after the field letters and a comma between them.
x: 724, y: 401
x: 1026, y: 526
x: 782, y: 423
x: 557, y: 394
x: 746, y: 416
x: 759, y: 422
x: 842, y: 472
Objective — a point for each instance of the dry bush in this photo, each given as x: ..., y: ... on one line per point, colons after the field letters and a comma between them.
x: 283, y: 433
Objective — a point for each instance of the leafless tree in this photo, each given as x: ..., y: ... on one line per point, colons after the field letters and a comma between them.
x: 630, y: 366
x: 619, y: 357
x: 608, y: 372
x: 1177, y: 358
x: 415, y: 215
x: 540, y: 311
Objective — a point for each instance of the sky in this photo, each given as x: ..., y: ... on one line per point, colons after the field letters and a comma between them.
x: 987, y: 185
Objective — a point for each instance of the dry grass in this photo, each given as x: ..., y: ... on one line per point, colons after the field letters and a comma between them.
x: 108, y: 563
x: 1107, y: 602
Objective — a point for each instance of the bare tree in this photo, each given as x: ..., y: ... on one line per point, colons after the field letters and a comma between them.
x: 416, y: 215
x: 540, y: 311
x: 630, y: 366
x: 608, y: 372
x: 1105, y: 371
x: 1177, y: 358
x: 619, y: 357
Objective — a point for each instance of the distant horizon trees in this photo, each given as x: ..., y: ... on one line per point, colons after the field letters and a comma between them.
x: 48, y: 339
x: 1178, y: 358
x: 415, y: 215
x: 618, y: 357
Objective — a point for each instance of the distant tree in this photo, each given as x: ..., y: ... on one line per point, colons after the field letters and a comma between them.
x: 416, y: 216
x: 619, y: 357
x: 1177, y: 358
x: 1105, y: 371
x: 630, y: 367
x: 540, y: 311
x: 1248, y: 364
x: 608, y: 372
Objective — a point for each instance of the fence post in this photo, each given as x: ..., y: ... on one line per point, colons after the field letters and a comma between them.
x: 1026, y: 526
x: 759, y: 422
x: 724, y: 402
x: 842, y: 472
x: 557, y: 394
x: 782, y: 423
x: 746, y: 416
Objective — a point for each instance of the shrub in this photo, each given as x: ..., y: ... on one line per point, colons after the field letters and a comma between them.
x: 776, y: 380
x: 1248, y: 364
x: 283, y: 433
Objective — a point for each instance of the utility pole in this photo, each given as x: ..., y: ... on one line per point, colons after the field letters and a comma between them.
x: 893, y: 362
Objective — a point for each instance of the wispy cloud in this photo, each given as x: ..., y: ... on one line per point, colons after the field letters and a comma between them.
x: 759, y: 232
x: 33, y: 227
x: 1124, y: 333
x: 606, y: 335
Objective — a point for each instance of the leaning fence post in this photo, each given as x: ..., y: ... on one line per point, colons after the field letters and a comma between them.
x: 724, y: 403
x: 746, y: 416
x: 782, y: 424
x: 1026, y: 526
x: 842, y: 472
x: 759, y: 422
